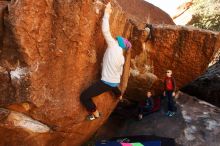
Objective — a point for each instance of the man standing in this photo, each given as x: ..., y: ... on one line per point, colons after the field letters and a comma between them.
x: 169, y: 92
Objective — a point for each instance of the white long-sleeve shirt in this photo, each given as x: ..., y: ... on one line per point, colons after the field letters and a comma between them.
x: 113, y: 59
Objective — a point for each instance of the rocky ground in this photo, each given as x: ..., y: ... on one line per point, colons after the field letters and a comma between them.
x: 196, y: 123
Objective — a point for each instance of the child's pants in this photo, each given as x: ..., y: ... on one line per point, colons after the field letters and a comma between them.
x: 171, y: 103
x: 144, y: 110
x: 95, y: 90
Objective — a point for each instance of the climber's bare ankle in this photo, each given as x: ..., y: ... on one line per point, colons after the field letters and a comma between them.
x: 96, y: 113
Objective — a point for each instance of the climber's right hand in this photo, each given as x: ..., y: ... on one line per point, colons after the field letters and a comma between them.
x: 108, y: 8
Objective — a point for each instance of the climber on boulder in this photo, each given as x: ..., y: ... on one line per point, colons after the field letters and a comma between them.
x: 169, y: 92
x: 112, y: 68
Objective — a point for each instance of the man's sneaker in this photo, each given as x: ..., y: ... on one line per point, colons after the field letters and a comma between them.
x: 171, y: 114
x: 168, y: 113
x: 90, y: 117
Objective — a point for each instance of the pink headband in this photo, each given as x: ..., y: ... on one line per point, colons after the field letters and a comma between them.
x: 127, y: 43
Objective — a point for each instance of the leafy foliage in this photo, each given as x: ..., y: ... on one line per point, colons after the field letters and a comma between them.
x: 206, y: 14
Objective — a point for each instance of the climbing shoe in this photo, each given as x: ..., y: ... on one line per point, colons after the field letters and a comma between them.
x: 90, y: 117
x: 171, y: 114
x: 168, y: 113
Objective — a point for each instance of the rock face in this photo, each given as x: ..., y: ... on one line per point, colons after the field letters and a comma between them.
x: 207, y: 86
x: 144, y: 12
x: 196, y: 123
x: 185, y: 50
x: 52, y: 50
x: 203, y: 14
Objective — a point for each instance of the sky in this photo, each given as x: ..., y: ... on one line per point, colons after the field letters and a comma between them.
x: 168, y: 6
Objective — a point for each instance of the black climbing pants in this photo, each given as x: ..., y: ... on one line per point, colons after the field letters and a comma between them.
x: 95, y: 90
x: 171, y: 102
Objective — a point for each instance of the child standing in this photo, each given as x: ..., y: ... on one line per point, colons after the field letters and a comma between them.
x: 169, y: 92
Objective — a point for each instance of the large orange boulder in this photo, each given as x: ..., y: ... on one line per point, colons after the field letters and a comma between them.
x: 185, y: 50
x: 52, y: 50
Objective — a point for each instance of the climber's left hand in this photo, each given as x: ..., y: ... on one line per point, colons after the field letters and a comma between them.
x: 108, y: 8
